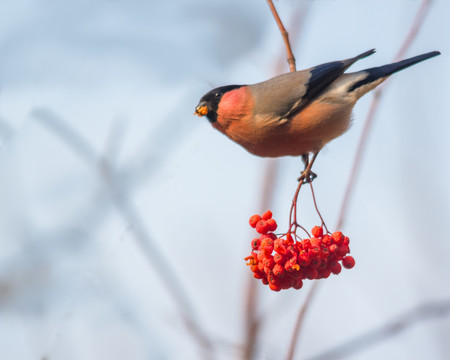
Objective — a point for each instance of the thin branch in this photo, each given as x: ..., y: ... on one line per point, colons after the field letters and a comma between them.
x: 148, y: 246
x: 415, y: 27
x: 285, y: 35
x: 427, y: 311
x: 253, y: 321
x: 300, y: 321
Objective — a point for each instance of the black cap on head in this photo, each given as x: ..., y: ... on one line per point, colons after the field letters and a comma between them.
x: 211, y: 101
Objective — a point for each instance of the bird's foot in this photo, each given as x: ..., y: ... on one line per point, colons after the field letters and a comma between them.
x: 307, y: 176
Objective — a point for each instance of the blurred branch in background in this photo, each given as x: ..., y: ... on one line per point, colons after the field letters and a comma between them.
x: 253, y: 320
x: 6, y: 131
x: 427, y: 311
x: 299, y: 322
x: 111, y: 177
x: 411, y: 35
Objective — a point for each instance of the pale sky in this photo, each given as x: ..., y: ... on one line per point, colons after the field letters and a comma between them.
x: 83, y: 81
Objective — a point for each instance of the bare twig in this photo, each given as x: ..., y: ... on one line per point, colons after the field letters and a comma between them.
x: 417, y: 23
x: 427, y: 311
x: 285, y: 35
x: 148, y: 246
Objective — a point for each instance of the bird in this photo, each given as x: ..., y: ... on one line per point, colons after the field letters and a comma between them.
x: 297, y: 113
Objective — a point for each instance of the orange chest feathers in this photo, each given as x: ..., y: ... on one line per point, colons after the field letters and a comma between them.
x: 235, y: 114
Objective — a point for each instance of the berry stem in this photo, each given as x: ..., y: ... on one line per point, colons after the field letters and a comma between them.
x: 293, y: 211
x: 317, y: 209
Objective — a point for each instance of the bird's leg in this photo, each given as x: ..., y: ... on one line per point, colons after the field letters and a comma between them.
x: 307, y: 175
x: 305, y: 159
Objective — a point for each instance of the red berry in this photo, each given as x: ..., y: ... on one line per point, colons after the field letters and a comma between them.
x: 306, y: 244
x: 314, y: 251
x: 338, y: 237
x: 348, y: 262
x: 343, y: 250
x: 255, y: 244
x: 286, y: 282
x: 258, y: 275
x: 317, y: 231
x: 293, y: 256
x: 323, y: 265
x: 333, y: 248
x: 260, y: 256
x: 311, y: 274
x: 324, y: 273
x: 335, y: 267
x: 267, y: 215
x: 273, y: 279
x: 261, y: 227
x: 298, y: 283
x: 289, y: 266
x: 279, y: 247
x: 268, y: 262
x: 303, y: 259
x: 325, y: 252
x: 278, y: 270
x: 326, y: 240
x: 275, y: 287
x: 254, y: 220
x: 279, y: 259
x: 272, y: 224
x: 267, y: 245
x: 315, y: 263
x: 261, y: 266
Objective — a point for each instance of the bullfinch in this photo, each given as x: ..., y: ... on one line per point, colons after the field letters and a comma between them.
x: 295, y: 113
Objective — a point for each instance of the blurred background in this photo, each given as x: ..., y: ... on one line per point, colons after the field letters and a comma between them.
x: 122, y: 215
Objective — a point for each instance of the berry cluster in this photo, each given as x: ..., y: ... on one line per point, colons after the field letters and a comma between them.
x: 284, y: 262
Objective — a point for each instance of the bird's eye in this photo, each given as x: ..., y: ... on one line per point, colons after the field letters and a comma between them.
x: 217, y: 94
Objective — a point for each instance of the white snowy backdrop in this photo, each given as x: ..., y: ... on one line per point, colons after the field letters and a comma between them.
x: 109, y: 186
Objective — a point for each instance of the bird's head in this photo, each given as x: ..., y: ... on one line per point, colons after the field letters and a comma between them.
x: 209, y: 103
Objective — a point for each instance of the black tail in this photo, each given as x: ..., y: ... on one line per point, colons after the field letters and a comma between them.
x: 386, y: 70
x: 351, y: 61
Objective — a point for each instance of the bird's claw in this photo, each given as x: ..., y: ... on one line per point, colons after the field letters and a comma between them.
x: 307, y: 177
